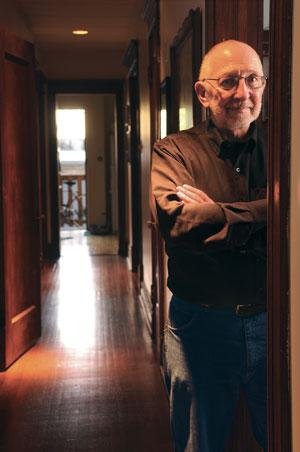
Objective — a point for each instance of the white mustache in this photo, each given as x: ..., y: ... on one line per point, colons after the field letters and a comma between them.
x: 240, y: 105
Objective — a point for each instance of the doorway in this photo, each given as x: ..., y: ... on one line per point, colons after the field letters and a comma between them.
x: 101, y: 199
x: 87, y: 170
x: 70, y: 127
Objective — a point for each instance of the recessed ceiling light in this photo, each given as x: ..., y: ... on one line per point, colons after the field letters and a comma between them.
x: 80, y: 32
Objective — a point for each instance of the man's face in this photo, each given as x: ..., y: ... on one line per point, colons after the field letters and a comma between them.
x: 232, y: 110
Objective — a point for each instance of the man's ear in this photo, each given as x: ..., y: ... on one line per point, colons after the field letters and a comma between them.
x: 201, y: 93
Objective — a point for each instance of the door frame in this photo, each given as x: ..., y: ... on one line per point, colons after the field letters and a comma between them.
x: 85, y: 87
x: 279, y: 390
x: 151, y: 16
x: 132, y: 108
x: 190, y: 30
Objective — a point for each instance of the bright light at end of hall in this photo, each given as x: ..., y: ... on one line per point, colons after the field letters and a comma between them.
x: 80, y: 32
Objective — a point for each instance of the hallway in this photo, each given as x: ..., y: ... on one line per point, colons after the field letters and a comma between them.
x: 92, y: 382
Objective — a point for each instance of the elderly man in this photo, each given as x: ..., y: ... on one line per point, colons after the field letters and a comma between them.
x: 209, y: 186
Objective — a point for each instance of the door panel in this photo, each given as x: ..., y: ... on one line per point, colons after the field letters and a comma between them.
x: 132, y: 139
x: 20, y: 303
x: 157, y: 285
x: 242, y: 20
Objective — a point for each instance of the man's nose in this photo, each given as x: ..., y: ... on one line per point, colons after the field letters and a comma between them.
x: 242, y: 90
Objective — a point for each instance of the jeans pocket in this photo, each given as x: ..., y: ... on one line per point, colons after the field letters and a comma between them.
x: 182, y: 315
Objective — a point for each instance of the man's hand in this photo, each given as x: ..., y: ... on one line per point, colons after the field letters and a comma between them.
x: 189, y: 194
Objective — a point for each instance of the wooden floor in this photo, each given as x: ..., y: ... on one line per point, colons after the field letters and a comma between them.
x: 95, y: 245
x: 92, y: 382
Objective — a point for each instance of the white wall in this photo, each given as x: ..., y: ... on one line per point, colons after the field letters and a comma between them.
x: 295, y: 232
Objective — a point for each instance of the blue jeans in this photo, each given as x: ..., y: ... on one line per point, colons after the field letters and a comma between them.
x: 210, y: 355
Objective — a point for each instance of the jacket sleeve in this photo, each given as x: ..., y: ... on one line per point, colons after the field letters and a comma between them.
x: 225, y: 225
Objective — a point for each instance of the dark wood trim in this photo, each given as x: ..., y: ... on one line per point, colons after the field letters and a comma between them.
x: 249, y: 17
x: 53, y: 246
x: 123, y: 243
x: 16, y: 60
x: 197, y: 57
x: 234, y: 19
x: 41, y: 82
x: 210, y: 24
x: 87, y: 87
x: 151, y: 14
x: 131, y: 61
x: 154, y: 91
x: 278, y: 218
x: 160, y: 307
x: 108, y: 178
x: 191, y: 27
x: 2, y: 261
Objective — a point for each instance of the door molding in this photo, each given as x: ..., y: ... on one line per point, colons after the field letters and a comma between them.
x: 131, y: 61
x: 151, y: 16
x: 190, y: 32
x: 278, y: 221
x: 85, y: 87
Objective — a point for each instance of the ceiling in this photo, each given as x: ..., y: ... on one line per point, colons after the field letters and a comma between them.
x: 111, y: 25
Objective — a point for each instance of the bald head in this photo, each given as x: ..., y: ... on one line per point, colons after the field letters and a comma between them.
x: 234, y: 107
x: 224, y: 53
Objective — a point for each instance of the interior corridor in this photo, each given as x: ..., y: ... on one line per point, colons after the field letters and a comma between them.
x: 92, y: 382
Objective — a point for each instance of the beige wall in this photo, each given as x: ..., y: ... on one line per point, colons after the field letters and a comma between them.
x: 145, y: 155
x: 13, y: 19
x: 172, y: 15
x: 295, y: 232
x: 99, y: 114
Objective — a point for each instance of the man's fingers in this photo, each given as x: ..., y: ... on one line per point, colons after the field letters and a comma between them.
x: 184, y: 197
x: 191, y: 188
x: 194, y: 193
x: 193, y: 196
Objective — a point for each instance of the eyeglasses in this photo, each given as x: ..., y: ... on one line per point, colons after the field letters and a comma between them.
x: 252, y: 81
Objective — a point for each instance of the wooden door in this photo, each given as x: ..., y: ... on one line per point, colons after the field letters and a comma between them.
x: 242, y: 20
x: 133, y: 148
x: 279, y: 218
x: 19, y: 239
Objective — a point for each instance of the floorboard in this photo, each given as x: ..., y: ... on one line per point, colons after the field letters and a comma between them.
x: 91, y: 383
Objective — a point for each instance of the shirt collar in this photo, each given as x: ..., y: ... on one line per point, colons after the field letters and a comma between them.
x: 220, y: 144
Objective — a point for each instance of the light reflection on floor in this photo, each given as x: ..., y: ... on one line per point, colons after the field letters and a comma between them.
x: 80, y: 241
x: 77, y: 294
x: 76, y: 311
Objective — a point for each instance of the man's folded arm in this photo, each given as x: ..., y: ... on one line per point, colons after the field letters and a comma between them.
x: 211, y: 223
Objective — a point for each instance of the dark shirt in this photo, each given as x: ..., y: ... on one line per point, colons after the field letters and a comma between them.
x: 217, y: 252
